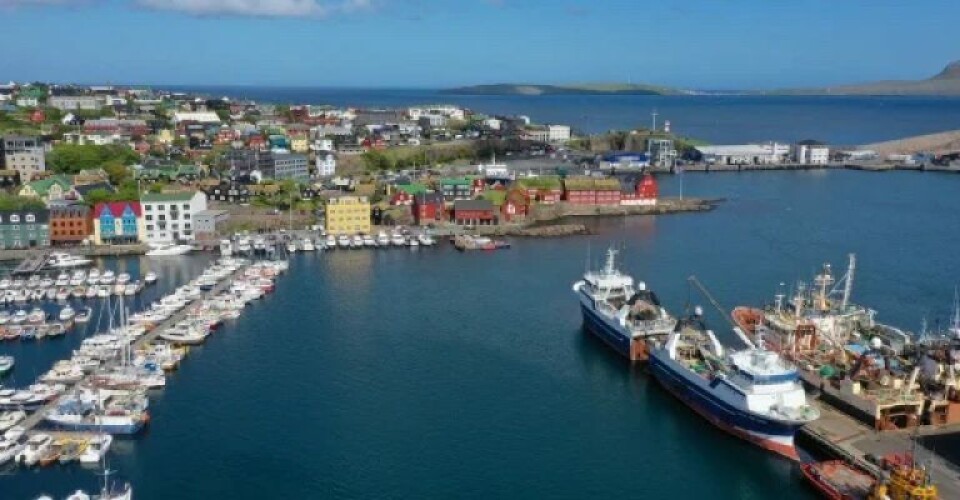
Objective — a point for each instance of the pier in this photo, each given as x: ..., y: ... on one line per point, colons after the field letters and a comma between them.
x: 30, y: 423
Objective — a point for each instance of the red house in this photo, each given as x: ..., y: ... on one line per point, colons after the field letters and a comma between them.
x: 474, y: 213
x: 515, y: 206
x: 37, y: 116
x: 591, y: 191
x: 428, y: 208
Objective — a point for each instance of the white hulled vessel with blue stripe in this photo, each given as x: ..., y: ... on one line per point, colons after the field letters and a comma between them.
x: 629, y: 318
x: 754, y: 394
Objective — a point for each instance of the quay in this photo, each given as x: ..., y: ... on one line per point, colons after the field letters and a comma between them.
x: 30, y: 423
x: 41, y: 255
x: 845, y: 437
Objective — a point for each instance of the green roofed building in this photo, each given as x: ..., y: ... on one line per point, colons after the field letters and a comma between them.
x: 168, y: 217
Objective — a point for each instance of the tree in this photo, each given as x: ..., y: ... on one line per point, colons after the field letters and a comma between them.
x: 116, y: 171
x: 12, y: 202
x: 72, y: 158
x: 98, y: 196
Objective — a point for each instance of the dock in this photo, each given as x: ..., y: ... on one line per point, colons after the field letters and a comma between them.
x: 36, y: 418
x: 849, y: 439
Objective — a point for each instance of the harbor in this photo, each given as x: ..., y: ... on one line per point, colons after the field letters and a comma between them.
x: 372, y: 313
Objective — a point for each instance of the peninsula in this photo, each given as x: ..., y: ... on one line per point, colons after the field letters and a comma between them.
x: 572, y: 89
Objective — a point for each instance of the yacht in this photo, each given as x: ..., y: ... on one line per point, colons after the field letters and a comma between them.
x: 168, y: 250
x: 123, y: 278
x: 67, y: 313
x: 62, y: 260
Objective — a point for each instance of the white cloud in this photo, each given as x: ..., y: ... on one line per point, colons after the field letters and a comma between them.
x: 259, y: 8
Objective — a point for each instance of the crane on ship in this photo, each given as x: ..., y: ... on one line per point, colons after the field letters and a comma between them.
x: 709, y: 296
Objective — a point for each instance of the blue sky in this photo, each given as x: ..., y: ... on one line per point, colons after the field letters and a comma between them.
x: 709, y: 44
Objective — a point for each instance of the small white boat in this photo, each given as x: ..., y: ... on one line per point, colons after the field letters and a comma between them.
x: 63, y: 294
x: 168, y: 250
x: 398, y: 240
x: 123, y: 278
x: 107, y: 278
x: 226, y: 248
x: 413, y: 242
x: 36, y: 316
x: 4, y: 283
x: 18, y: 317
x: 382, y: 239
x: 62, y: 260
x: 307, y: 245
x: 83, y: 316
x: 343, y: 241
x: 6, y: 364
x: 96, y: 449
x: 67, y: 313
x: 36, y: 446
x: 426, y: 240
x: 93, y: 277
x: 131, y: 288
x: 292, y: 247
x: 331, y: 241
x: 150, y: 278
x: 91, y: 292
x: 356, y: 241
x: 103, y: 291
x: 63, y: 279
x: 368, y: 241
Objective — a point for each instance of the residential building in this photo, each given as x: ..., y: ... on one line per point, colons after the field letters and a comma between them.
x: 53, y: 188
x: 811, y: 154
x: 208, y: 224
x: 204, y: 117
x: 75, y: 102
x: 326, y: 164
x: 348, y: 215
x: 168, y: 217
x: 536, y: 134
x: 284, y: 165
x: 428, y: 208
x: 118, y: 222
x: 24, y: 228
x: 474, y: 213
x: 23, y: 154
x: 459, y: 188
x: 70, y: 224
x: 229, y: 192
x: 299, y: 144
x: 558, y: 133
x: 591, y: 191
x: 9, y: 178
x: 545, y: 189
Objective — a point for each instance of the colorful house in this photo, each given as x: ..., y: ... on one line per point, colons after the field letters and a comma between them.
x: 348, y: 215
x: 428, y: 208
x: 591, y: 191
x: 53, y: 188
x: 474, y: 212
x: 639, y: 192
x: 24, y: 228
x: 70, y: 224
x: 545, y: 189
x: 118, y: 222
x: 403, y: 193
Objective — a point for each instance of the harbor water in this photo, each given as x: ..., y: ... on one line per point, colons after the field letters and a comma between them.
x: 432, y: 373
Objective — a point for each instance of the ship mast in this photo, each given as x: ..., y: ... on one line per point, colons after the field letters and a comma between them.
x: 848, y: 280
x: 955, y: 323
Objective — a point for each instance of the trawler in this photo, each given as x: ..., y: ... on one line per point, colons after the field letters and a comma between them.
x: 629, y: 318
x: 754, y: 394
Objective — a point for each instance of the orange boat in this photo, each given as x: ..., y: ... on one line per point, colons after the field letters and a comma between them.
x: 839, y: 480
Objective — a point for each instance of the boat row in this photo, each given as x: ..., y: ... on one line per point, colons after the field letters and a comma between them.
x: 380, y: 240
x: 77, y: 278
x: 103, y: 388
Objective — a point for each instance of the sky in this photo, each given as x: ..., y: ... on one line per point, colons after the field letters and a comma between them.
x: 698, y: 44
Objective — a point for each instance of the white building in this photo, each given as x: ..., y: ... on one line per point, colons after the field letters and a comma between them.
x: 27, y: 102
x: 98, y: 139
x: 75, y: 102
x: 811, y: 155
x: 558, y: 133
x: 448, y: 110
x: 196, y: 116
x: 323, y: 144
x: 492, y: 123
x: 745, y: 154
x: 326, y: 164
x: 168, y: 217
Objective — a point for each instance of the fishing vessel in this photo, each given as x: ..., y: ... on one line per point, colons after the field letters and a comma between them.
x: 840, y: 480
x: 754, y: 394
x: 628, y: 318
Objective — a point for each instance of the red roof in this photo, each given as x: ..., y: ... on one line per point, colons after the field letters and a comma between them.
x: 116, y: 208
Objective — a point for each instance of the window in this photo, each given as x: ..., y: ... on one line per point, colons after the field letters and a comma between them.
x: 31, y: 218
x: 149, y: 217
x: 162, y: 217
x: 148, y: 208
x: 186, y: 206
x: 14, y: 218
x: 149, y: 227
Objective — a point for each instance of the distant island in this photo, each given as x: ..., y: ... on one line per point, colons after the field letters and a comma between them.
x: 944, y: 83
x: 574, y: 89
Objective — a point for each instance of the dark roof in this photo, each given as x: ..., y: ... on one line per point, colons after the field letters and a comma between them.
x: 427, y: 198
x: 62, y: 211
x: 42, y: 215
x: 472, y: 205
x: 86, y: 188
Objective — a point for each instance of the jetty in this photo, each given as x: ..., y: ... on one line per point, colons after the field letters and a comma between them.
x: 36, y: 418
x: 847, y: 438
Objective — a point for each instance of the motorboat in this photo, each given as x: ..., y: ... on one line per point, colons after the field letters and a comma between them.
x: 131, y: 288
x: 168, y: 250
x: 107, y: 278
x: 4, y: 317
x: 292, y: 247
x: 36, y: 315
x: 62, y: 280
x: 93, y: 277
x: 103, y: 291
x: 382, y: 239
x: 123, y: 278
x: 63, y: 260
x: 9, y: 448
x: 67, y: 313
x: 5, y: 283
x: 413, y: 243
x: 150, y: 278
x: 6, y: 364
x: 226, y: 248
x: 331, y: 241
x: 369, y: 241
x: 426, y: 240
x: 356, y: 241
x: 83, y: 316
x: 36, y: 446
x: 343, y: 241
x: 91, y: 292
x: 398, y: 240
x: 97, y: 447
x: 63, y: 294
x: 307, y: 245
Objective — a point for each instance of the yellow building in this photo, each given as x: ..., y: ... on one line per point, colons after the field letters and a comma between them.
x: 348, y: 215
x: 165, y: 136
x: 299, y: 145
